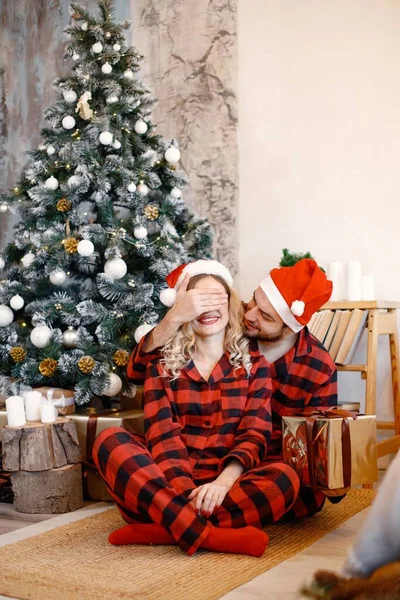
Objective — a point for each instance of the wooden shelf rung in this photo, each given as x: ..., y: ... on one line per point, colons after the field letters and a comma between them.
x: 362, y: 368
x: 385, y: 425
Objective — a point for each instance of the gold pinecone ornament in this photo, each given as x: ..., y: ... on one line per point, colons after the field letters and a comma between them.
x: 86, y: 364
x: 71, y: 245
x: 121, y: 358
x: 64, y: 205
x: 151, y: 212
x: 18, y: 354
x: 48, y: 367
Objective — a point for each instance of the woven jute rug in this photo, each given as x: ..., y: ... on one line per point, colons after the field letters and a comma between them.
x: 76, y: 562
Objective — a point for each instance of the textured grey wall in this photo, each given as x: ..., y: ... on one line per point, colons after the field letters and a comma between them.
x: 190, y: 64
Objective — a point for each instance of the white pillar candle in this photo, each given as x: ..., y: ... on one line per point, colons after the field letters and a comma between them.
x: 15, y: 411
x: 368, y: 287
x: 48, y: 413
x: 33, y: 401
x: 336, y: 275
x: 353, y: 281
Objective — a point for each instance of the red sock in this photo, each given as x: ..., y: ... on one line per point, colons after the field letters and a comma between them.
x: 246, y: 540
x: 141, y: 533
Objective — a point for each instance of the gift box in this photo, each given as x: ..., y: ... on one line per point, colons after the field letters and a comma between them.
x: 62, y: 399
x: 331, y: 450
x: 89, y: 423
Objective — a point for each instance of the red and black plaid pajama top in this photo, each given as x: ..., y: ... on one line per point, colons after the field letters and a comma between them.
x: 304, y: 376
x: 193, y: 429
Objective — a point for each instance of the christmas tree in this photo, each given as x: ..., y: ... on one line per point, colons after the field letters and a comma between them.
x: 102, y: 224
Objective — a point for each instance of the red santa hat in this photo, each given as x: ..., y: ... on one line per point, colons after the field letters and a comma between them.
x: 199, y: 267
x: 297, y: 292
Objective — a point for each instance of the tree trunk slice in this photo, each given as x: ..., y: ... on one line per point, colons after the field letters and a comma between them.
x: 48, y: 492
x: 40, y: 447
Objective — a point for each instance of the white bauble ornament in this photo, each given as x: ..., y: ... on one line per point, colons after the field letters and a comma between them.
x: 106, y: 68
x: 140, y: 232
x: 176, y: 193
x: 69, y: 96
x: 141, y: 126
x: 51, y: 183
x: 107, y: 35
x: 115, y: 268
x: 58, y: 277
x: 75, y: 56
x: 85, y: 248
x: 168, y: 297
x: 40, y: 336
x: 17, y: 302
x: 6, y: 315
x: 117, y: 47
x: 172, y: 155
x: 50, y: 150
x: 131, y: 187
x: 41, y: 147
x: 28, y: 259
x: 117, y: 144
x: 105, y: 138
x: 3, y: 208
x: 73, y: 181
x: 97, y: 48
x: 112, y: 99
x: 68, y: 122
x: 114, y: 386
x: 142, y: 330
x: 142, y: 189
x: 84, y: 26
x: 2, y: 264
x: 128, y: 74
x: 70, y: 337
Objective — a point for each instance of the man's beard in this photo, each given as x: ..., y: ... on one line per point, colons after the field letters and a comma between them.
x: 276, y: 337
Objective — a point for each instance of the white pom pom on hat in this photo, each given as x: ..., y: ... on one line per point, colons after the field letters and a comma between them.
x: 297, y: 308
x: 199, y: 267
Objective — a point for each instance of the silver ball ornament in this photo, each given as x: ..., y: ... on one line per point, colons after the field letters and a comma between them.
x: 17, y: 302
x: 51, y: 183
x: 84, y: 26
x: 142, y: 330
x: 131, y: 187
x: 69, y: 96
x: 128, y: 74
x: 50, y: 150
x: 115, y: 268
x: 116, y: 145
x: 141, y: 127
x: 97, y: 48
x: 106, y: 68
x: 142, y: 189
x: 73, y: 181
x: 3, y: 208
x: 105, y: 138
x: 28, y: 259
x: 172, y: 155
x: 70, y: 338
x: 176, y: 193
x: 40, y: 336
x: 140, y: 232
x: 114, y: 387
x: 117, y: 47
x: 107, y: 35
x: 58, y: 277
x: 6, y: 315
x: 75, y: 56
x: 68, y: 122
x: 85, y: 248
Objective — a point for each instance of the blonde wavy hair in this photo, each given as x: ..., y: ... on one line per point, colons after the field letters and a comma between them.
x: 180, y: 348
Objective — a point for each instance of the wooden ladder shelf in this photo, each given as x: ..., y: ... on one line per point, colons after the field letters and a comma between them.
x: 381, y: 321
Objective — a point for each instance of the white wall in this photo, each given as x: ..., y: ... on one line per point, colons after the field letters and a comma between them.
x: 319, y: 141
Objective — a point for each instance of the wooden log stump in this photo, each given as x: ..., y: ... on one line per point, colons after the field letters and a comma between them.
x: 48, y: 492
x: 40, y: 447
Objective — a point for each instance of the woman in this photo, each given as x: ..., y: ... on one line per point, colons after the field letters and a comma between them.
x: 199, y: 480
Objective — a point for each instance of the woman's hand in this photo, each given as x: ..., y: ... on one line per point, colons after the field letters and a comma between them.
x: 206, y: 498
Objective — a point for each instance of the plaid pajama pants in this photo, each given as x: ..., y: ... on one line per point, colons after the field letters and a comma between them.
x: 143, y: 494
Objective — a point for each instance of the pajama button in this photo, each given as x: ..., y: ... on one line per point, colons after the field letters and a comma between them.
x: 207, y: 423
x: 199, y: 453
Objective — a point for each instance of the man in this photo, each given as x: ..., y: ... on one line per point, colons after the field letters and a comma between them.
x: 303, y: 373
